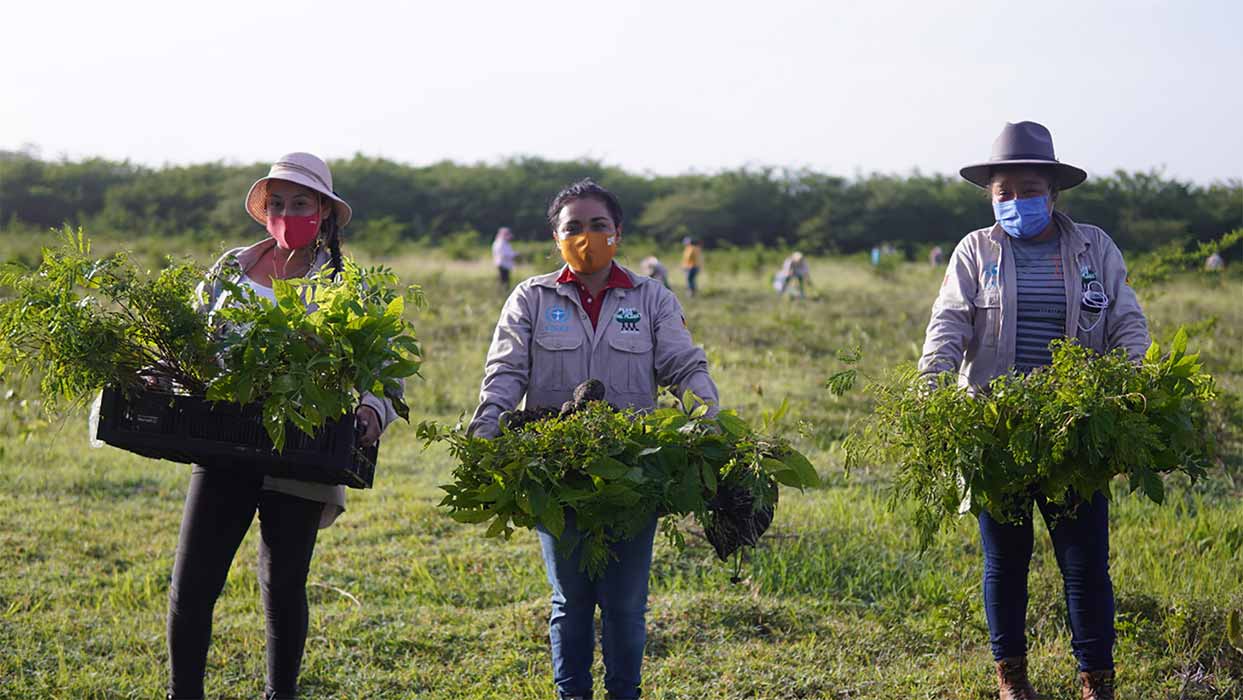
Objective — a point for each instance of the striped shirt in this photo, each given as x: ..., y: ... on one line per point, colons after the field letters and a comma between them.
x: 1041, y: 301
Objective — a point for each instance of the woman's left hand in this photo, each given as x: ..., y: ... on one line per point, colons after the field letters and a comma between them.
x: 369, y: 421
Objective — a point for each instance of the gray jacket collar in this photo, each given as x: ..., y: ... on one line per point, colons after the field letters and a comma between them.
x: 550, y: 280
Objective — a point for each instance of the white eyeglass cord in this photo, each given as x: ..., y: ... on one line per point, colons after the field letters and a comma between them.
x: 1094, y: 299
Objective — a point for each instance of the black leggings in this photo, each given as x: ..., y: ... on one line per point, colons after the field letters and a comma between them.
x: 220, y: 504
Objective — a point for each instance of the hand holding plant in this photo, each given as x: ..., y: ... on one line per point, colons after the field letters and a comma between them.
x: 77, y: 324
x: 1062, y: 431
x: 616, y: 470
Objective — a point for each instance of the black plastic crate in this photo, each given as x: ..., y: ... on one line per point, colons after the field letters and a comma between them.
x: 191, y: 429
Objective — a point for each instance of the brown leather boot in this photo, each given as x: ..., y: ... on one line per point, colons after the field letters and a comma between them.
x: 1012, y: 682
x: 1097, y: 685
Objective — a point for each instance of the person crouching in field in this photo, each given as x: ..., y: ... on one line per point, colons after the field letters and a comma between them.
x: 1010, y: 289
x: 794, y: 269
x: 592, y: 319
x: 303, y: 217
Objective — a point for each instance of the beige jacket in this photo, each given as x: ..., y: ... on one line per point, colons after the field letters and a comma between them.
x: 544, y: 346
x: 973, y: 325
x: 211, y: 296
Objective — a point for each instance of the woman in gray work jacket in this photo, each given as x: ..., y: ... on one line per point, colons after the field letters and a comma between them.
x: 1010, y: 289
x: 593, y: 319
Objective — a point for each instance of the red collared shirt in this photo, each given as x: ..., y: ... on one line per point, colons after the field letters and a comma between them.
x: 618, y: 279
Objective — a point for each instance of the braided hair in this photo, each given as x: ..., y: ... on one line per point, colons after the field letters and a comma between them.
x: 330, y: 234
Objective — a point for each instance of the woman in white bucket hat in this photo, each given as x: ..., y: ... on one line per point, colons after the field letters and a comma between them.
x: 303, y: 216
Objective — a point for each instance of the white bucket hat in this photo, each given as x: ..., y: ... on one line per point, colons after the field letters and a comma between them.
x: 302, y: 169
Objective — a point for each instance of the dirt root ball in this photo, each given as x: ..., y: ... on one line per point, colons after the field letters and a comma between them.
x: 588, y: 391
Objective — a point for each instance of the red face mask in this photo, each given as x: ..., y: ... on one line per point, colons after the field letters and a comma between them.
x: 293, y: 232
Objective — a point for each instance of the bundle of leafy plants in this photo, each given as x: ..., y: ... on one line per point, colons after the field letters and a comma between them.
x: 327, y: 339
x: 615, y: 471
x: 76, y: 324
x: 1061, y: 432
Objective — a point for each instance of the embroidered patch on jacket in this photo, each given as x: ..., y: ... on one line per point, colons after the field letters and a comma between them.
x: 990, y: 275
x: 629, y: 319
x: 557, y: 317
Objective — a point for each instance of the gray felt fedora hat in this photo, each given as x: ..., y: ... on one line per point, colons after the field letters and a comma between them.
x: 1024, y: 143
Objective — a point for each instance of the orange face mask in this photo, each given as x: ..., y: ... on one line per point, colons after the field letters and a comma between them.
x: 588, y: 252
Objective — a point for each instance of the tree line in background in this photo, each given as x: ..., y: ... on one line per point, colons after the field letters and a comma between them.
x: 750, y: 206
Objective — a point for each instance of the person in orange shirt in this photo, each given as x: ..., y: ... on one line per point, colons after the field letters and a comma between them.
x: 692, y: 262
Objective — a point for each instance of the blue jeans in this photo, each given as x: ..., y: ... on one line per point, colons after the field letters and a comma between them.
x: 1081, y: 545
x: 692, y: 275
x: 621, y: 593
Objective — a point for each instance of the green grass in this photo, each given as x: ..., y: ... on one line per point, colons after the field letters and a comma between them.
x: 836, y: 602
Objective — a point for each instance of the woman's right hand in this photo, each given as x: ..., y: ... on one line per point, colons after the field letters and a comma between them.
x: 155, y: 382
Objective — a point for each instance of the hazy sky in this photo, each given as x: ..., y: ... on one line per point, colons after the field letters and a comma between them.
x: 666, y: 87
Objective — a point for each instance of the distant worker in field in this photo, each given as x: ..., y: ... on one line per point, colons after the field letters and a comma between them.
x: 592, y: 319
x: 1011, y: 288
x: 875, y: 255
x: 692, y: 262
x: 1215, y: 263
x: 503, y: 255
x: 794, y: 269
x: 936, y: 256
x: 654, y: 268
x: 304, y: 217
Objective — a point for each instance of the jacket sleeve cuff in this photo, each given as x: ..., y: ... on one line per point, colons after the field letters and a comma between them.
x: 382, y: 407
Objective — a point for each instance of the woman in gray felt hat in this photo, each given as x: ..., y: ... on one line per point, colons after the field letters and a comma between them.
x: 1011, y: 288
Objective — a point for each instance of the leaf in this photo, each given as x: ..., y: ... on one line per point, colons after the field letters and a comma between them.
x: 732, y: 424
x: 842, y: 381
x: 1154, y: 488
x: 286, y: 295
x: 395, y: 308
x: 471, y: 516
x: 537, y: 497
x: 498, y: 528
x: 491, y: 493
x: 553, y: 519
x: 1178, y: 347
x: 689, y: 401
x: 772, y: 466
x: 788, y: 477
x: 802, y: 467
x: 284, y: 384
x: 709, y: 476
x: 607, y: 468
x: 407, y: 344
x: 274, y: 424
x: 400, y: 369
x: 399, y: 405
x: 1154, y: 353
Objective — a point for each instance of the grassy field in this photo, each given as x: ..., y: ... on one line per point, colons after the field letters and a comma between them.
x: 836, y: 603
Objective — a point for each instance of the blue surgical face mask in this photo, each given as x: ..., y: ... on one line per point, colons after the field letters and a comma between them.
x: 1023, y: 218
